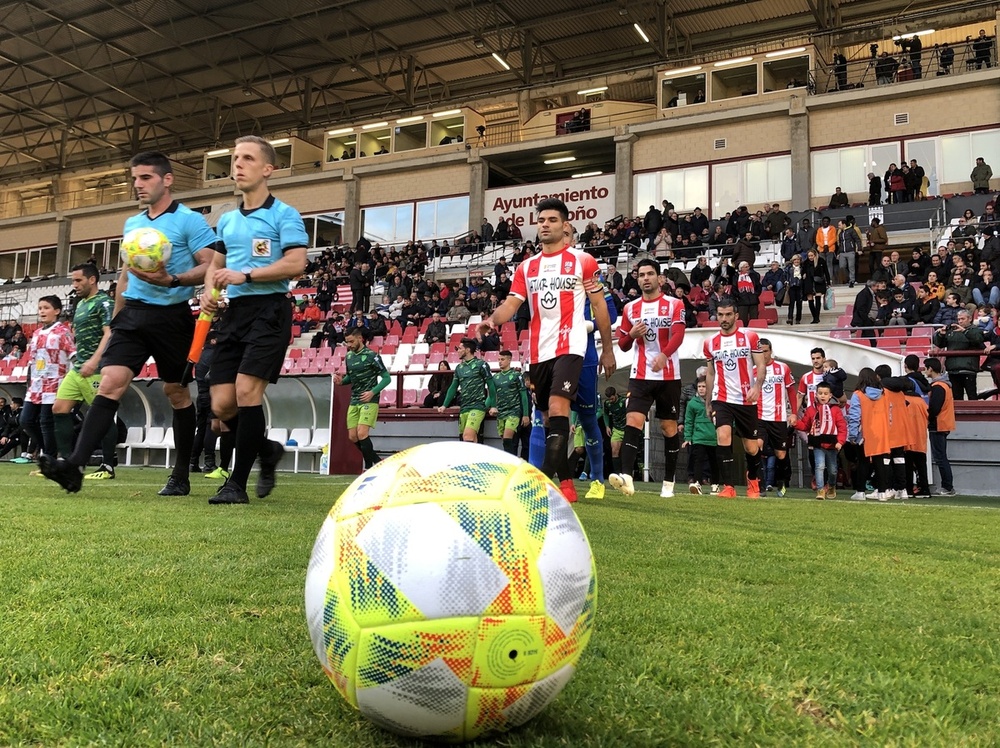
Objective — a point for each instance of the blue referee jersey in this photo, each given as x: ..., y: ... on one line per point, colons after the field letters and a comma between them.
x: 188, y: 233
x: 257, y: 238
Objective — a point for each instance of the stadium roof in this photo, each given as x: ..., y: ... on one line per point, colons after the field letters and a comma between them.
x: 89, y: 82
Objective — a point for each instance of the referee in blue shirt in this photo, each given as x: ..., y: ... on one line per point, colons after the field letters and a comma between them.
x: 151, y: 318
x: 262, y: 246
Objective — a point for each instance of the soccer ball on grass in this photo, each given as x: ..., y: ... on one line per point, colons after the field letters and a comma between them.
x: 145, y: 249
x: 450, y: 592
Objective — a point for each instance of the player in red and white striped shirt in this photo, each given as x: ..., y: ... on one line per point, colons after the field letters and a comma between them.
x: 776, y: 412
x: 655, y: 324
x: 555, y: 283
x: 807, y: 385
x: 731, y: 398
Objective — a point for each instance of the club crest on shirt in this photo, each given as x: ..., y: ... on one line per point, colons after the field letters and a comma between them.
x: 568, y: 266
x: 261, y: 247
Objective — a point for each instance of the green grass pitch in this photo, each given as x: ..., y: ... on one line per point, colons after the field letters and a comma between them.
x: 135, y: 620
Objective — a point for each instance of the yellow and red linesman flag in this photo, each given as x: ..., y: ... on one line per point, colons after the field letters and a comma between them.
x: 201, y: 328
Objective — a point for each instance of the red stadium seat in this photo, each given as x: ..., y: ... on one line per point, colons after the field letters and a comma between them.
x: 759, y: 322
x: 767, y: 297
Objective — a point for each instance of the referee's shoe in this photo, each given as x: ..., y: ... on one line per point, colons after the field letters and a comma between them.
x: 66, y: 474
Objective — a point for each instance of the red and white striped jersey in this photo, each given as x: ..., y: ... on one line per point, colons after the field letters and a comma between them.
x: 732, y: 357
x: 772, y: 405
x: 660, y: 316
x: 555, y: 287
x: 807, y: 387
x: 49, y: 351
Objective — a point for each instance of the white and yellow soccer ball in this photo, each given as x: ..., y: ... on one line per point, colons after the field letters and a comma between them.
x: 450, y: 592
x: 145, y: 249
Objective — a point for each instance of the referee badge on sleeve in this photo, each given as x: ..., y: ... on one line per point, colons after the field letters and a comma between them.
x: 261, y: 247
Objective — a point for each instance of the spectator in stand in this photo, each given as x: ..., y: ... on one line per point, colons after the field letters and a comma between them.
x: 897, y: 184
x: 717, y: 237
x: 312, y: 314
x: 701, y: 272
x: 805, y: 237
x: 13, y: 355
x: 437, y: 331
x: 699, y: 296
x: 839, y: 199
x: 714, y: 299
x: 874, y: 190
x: 459, y: 313
x: 699, y: 224
x: 745, y: 250
x: 502, y: 234
x: 947, y: 315
x: 981, y: 174
x: 816, y: 279
x: 724, y: 274
x: 437, y: 386
x: 826, y: 245
x: 789, y: 245
x: 962, y: 369
x: 12, y: 436
x: 777, y: 221
x: 985, y: 290
x: 911, y: 182
x: 848, y: 246
x: 899, y: 312
x: 747, y: 293
x: 377, y: 327
x: 961, y: 287
x: 774, y: 281
x: 358, y: 321
x: 927, y: 305
x: 652, y: 223
x: 795, y: 278
x: 917, y: 269
x: 360, y: 288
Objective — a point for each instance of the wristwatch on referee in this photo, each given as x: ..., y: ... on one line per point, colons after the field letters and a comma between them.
x: 174, y: 281
x: 246, y: 275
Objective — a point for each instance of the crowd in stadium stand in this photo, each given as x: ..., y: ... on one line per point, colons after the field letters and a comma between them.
x: 388, y: 284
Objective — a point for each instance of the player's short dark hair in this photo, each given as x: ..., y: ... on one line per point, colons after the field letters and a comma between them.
x: 818, y: 350
x: 883, y: 371
x: 471, y: 343
x: 610, y: 392
x: 553, y: 203
x: 911, y: 362
x: 726, y: 301
x: 53, y: 301
x: 159, y: 162
x: 88, y: 269
x: 825, y: 386
x: 765, y: 341
x: 648, y: 262
x: 932, y: 364
x: 352, y: 331
x: 266, y: 149
x: 508, y: 354
x: 18, y: 401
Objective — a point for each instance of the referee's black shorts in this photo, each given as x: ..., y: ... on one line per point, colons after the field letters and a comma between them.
x: 141, y: 330
x: 253, y: 338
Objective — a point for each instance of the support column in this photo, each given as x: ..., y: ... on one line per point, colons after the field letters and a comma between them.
x: 624, y: 192
x: 63, y: 233
x: 479, y: 173
x: 352, y: 209
x: 801, y: 162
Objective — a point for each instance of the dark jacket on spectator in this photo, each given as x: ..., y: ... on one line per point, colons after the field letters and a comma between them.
x: 954, y: 339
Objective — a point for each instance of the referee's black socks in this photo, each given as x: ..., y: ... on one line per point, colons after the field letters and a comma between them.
x: 98, y: 420
x: 250, y: 438
x: 185, y: 423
